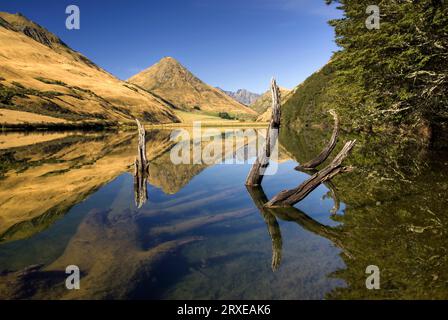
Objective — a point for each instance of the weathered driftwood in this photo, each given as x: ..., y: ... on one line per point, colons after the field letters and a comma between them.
x: 333, y: 191
x: 259, y: 198
x: 291, y: 197
x: 258, y: 169
x: 141, y: 168
x: 328, y: 149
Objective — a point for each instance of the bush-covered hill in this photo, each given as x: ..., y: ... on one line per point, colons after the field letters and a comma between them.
x: 394, y: 78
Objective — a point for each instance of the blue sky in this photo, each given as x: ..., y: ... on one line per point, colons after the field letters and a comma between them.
x: 227, y: 43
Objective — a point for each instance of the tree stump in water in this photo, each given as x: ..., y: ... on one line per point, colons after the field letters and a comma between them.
x: 257, y: 171
x: 141, y: 168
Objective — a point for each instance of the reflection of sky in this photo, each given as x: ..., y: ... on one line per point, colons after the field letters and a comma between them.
x: 301, y: 249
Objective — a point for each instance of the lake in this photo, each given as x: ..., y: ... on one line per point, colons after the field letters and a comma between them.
x: 68, y: 199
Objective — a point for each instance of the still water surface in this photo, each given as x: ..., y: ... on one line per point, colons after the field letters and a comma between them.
x: 68, y: 199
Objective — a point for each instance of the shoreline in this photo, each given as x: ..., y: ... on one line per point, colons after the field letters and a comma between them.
x: 114, y: 126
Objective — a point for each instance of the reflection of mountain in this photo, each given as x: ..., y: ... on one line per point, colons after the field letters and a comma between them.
x: 171, y: 178
x: 395, y: 217
x: 43, y: 180
x: 100, y: 239
x: 62, y: 172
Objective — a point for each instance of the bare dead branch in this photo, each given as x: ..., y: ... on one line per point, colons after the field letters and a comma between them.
x: 328, y: 149
x: 291, y: 197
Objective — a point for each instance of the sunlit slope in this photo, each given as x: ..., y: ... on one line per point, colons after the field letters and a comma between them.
x: 174, y: 83
x: 264, y: 102
x: 42, y: 75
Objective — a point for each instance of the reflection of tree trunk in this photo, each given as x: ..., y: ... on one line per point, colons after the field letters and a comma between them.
x: 334, y: 195
x: 257, y: 171
x: 328, y: 149
x: 259, y: 198
x: 292, y: 214
x: 335, y: 235
x: 291, y: 197
x: 141, y: 169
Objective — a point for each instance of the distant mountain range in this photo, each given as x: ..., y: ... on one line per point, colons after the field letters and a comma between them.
x: 242, y: 95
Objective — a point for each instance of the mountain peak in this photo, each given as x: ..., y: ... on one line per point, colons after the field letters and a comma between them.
x: 168, y: 59
x: 169, y: 79
x: 243, y: 96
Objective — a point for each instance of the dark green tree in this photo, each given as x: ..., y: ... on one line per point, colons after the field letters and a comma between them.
x: 397, y: 74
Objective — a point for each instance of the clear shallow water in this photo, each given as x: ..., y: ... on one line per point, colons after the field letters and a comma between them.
x: 203, y: 235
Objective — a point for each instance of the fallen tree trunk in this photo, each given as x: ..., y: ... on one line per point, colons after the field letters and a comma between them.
x: 291, y: 197
x: 257, y: 171
x: 328, y: 149
x: 141, y: 169
x: 333, y: 191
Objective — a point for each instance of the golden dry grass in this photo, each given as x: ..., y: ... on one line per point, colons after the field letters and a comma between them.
x: 169, y: 79
x: 23, y: 60
x: 15, y: 117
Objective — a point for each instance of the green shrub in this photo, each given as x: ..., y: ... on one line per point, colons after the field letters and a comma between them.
x: 50, y: 81
x: 225, y: 115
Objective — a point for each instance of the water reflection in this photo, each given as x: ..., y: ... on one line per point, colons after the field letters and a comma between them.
x: 395, y: 217
x: 69, y: 199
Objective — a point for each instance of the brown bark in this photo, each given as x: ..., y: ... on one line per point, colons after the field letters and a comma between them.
x: 333, y: 191
x: 257, y: 171
x: 141, y: 168
x: 291, y: 197
x: 328, y: 149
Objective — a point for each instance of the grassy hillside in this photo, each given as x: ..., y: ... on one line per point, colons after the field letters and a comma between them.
x: 264, y: 102
x: 175, y: 84
x: 43, y: 77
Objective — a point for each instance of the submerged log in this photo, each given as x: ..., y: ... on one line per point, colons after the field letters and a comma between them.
x: 328, y: 149
x: 257, y: 171
x: 141, y: 169
x: 291, y: 197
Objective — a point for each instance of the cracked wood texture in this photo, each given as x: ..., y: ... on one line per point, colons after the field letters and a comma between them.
x: 257, y: 171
